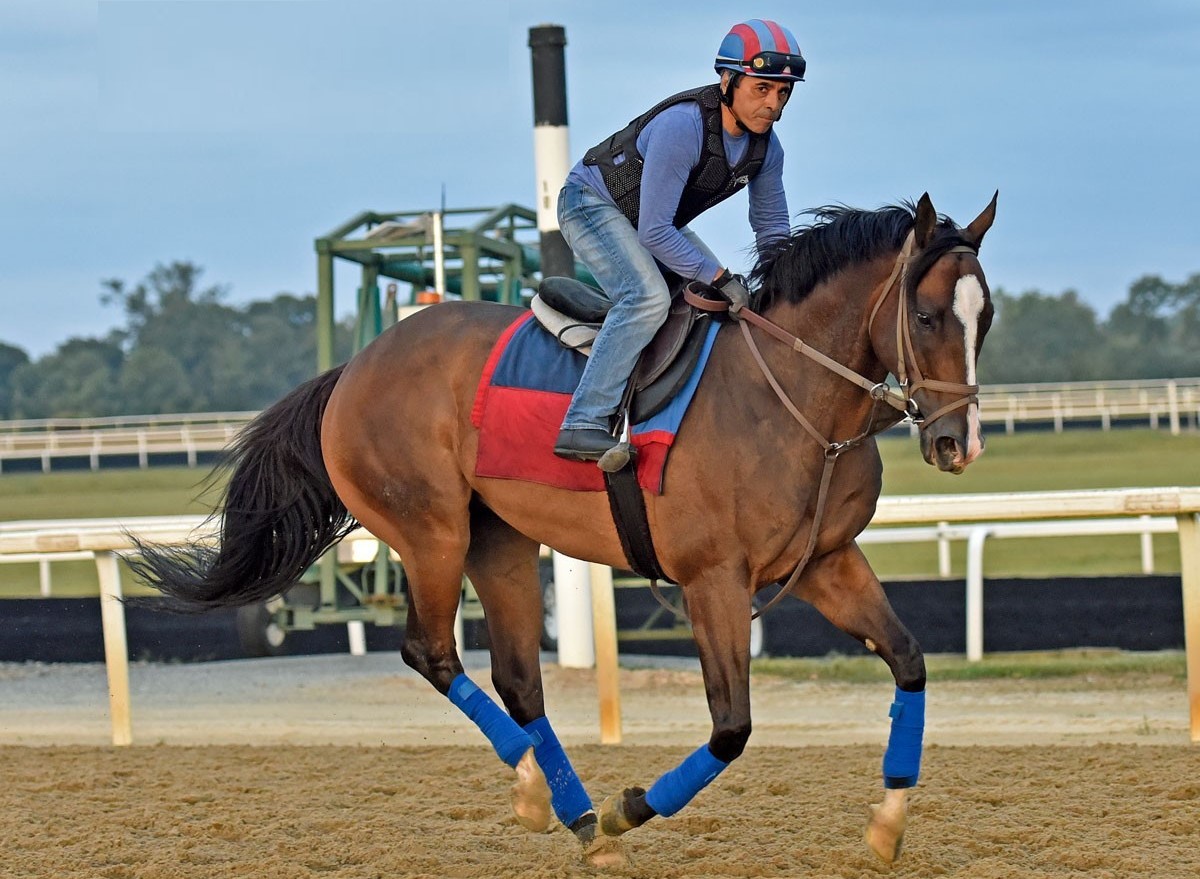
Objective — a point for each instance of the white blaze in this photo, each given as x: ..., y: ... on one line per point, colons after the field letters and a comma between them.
x: 968, y: 305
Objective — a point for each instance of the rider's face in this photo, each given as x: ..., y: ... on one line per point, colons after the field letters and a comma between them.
x: 758, y: 102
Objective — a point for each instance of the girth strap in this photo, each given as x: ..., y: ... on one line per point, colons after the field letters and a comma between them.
x: 628, y: 508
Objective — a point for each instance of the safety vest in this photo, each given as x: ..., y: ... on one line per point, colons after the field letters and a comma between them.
x: 710, y: 181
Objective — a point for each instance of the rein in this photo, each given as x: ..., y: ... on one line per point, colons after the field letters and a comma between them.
x: 880, y: 392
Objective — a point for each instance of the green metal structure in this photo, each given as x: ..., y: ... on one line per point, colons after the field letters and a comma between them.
x: 484, y: 253
x: 460, y: 253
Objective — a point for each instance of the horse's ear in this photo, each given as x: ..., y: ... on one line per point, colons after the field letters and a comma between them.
x: 974, y: 233
x: 926, y: 221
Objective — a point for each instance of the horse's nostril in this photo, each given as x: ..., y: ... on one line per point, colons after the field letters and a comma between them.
x: 947, y: 450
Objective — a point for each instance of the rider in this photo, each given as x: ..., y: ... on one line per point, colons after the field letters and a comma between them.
x: 625, y: 206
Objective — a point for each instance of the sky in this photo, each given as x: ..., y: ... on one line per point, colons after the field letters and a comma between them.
x: 232, y: 133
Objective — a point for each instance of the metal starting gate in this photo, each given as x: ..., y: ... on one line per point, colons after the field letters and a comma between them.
x: 419, y: 257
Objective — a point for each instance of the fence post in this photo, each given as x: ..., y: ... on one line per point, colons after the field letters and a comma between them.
x: 943, y: 543
x: 116, y: 651
x: 1173, y: 407
x: 975, y: 593
x: 1147, y: 545
x: 1189, y: 553
x: 604, y: 626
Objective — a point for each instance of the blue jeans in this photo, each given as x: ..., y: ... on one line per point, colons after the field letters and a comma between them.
x: 606, y: 242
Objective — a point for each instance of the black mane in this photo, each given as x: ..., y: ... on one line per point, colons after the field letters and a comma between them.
x: 839, y: 237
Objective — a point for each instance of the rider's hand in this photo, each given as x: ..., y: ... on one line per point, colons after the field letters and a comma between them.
x: 733, y: 288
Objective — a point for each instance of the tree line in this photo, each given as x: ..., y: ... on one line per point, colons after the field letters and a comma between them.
x: 181, y: 349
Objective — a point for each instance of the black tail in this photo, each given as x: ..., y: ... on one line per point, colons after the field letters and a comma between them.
x: 278, y: 515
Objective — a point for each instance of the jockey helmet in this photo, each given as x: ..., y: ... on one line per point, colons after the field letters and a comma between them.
x: 761, y: 48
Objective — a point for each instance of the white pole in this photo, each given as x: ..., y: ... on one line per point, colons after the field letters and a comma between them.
x: 975, y: 593
x: 116, y: 651
x: 551, y: 146
x: 357, y: 633
x: 439, y: 257
x: 573, y: 611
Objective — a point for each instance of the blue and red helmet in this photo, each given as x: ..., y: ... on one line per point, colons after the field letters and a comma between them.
x: 761, y: 48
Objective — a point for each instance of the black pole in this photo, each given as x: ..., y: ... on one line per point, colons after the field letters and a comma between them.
x: 551, y: 147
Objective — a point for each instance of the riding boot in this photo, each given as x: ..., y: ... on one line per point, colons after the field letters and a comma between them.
x: 583, y: 444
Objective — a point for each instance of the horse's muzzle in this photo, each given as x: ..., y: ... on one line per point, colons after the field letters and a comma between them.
x: 948, y: 452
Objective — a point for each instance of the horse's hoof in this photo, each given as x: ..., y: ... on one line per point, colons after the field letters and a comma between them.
x: 619, y: 814
x: 584, y: 827
x: 885, y: 830
x: 604, y: 853
x: 530, y: 795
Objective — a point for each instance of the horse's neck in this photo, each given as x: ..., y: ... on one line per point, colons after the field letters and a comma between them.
x: 834, y: 318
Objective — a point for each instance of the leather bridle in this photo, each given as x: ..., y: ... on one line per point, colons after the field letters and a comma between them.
x: 907, y: 372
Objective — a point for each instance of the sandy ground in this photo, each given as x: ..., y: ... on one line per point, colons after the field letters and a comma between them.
x: 340, y: 766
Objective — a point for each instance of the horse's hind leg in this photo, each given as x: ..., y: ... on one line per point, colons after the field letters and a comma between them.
x: 433, y: 546
x: 842, y: 586
x: 429, y: 647
x: 503, y: 566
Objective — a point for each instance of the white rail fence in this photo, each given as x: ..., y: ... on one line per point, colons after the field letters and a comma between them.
x: 1172, y: 404
x: 93, y: 439
x: 974, y: 518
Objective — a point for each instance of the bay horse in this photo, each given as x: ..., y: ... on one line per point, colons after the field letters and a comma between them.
x: 387, y: 440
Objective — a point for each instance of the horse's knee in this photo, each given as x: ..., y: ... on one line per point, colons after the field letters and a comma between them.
x: 729, y: 740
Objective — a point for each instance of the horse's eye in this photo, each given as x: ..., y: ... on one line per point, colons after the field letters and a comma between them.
x: 924, y: 320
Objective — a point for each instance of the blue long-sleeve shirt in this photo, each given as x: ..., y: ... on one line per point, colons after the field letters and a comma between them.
x: 670, y: 146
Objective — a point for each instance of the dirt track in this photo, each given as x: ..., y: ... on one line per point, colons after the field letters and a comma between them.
x: 1062, y: 780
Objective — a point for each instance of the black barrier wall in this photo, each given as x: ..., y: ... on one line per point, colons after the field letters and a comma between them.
x: 1130, y: 613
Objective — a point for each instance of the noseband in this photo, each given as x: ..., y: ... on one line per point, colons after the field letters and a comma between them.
x: 905, y: 354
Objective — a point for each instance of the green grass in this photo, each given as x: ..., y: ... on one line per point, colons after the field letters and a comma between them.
x: 1023, y: 462
x: 1030, y: 665
x: 1076, y: 459
x: 104, y: 494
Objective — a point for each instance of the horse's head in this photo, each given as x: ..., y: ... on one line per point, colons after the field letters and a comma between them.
x: 944, y: 311
x: 925, y: 322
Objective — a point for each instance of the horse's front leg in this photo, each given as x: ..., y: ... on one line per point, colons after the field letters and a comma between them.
x: 720, y: 614
x: 842, y: 586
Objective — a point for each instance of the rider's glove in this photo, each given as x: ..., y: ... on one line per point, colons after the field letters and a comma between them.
x: 733, y: 289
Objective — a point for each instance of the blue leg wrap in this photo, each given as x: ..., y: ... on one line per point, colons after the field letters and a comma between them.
x: 567, y: 794
x: 509, y: 740
x: 902, y: 759
x: 676, y: 788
